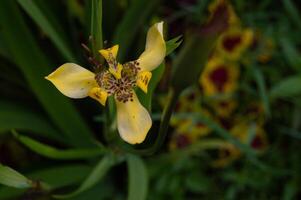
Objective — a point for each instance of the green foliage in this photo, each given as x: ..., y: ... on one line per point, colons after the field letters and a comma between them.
x: 12, y: 178
x: 138, y: 178
x: 63, y: 153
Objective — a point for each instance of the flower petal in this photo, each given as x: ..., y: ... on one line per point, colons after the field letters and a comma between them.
x: 143, y: 80
x: 155, y: 48
x: 110, y: 55
x: 99, y: 95
x: 109, y: 52
x: 73, y: 80
x: 133, y: 120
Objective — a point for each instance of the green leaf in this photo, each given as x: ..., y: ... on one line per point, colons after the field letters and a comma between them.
x: 32, y: 63
x: 138, y: 178
x: 291, y: 54
x: 56, y: 177
x: 96, y: 27
x: 40, y: 18
x: 94, y: 177
x: 12, y: 178
x: 135, y: 16
x: 173, y: 44
x: 259, y: 78
x: 14, y: 116
x: 293, y: 12
x: 288, y: 87
x: 50, y: 152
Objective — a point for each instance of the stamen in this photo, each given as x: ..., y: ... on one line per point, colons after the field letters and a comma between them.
x: 122, y: 88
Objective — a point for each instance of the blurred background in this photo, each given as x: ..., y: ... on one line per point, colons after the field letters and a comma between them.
x: 234, y: 134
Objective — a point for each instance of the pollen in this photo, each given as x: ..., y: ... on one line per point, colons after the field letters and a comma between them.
x: 121, y: 88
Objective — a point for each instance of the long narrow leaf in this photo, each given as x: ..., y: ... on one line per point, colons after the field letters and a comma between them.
x: 50, y: 152
x: 29, y: 58
x: 40, y: 18
x: 56, y: 177
x: 14, y: 116
x: 138, y: 178
x: 94, y: 177
x: 135, y: 17
x: 12, y: 178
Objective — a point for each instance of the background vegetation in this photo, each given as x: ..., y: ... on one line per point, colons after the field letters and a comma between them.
x: 54, y: 147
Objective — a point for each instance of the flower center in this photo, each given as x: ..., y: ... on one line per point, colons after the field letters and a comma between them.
x: 121, y: 88
x: 230, y: 43
x: 219, y: 77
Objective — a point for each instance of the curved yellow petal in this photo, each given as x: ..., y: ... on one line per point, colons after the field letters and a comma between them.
x: 99, y: 95
x: 143, y: 80
x: 109, y: 52
x: 155, y: 48
x: 110, y: 55
x: 72, y: 80
x: 133, y: 120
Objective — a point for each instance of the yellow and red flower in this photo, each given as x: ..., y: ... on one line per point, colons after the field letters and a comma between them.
x: 233, y: 42
x: 219, y: 77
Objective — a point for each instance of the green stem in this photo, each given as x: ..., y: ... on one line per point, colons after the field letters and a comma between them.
x: 96, y: 27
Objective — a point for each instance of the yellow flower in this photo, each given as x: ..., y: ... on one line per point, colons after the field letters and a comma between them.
x: 219, y: 77
x: 133, y: 120
x: 243, y: 130
x: 218, y: 4
x: 180, y: 141
x: 234, y: 42
x: 226, y: 155
x: 223, y: 107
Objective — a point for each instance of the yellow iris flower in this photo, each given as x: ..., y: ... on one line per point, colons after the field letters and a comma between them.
x: 133, y: 120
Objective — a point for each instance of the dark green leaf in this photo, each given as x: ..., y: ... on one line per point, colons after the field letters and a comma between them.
x: 30, y: 60
x: 38, y: 15
x: 135, y: 17
x: 14, y: 116
x: 138, y: 178
x: 94, y: 177
x: 288, y: 87
x: 50, y: 152
x: 56, y: 177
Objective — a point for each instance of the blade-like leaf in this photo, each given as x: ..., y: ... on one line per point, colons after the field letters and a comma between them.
x: 50, y: 152
x: 12, y: 178
x: 173, y: 44
x: 128, y: 27
x: 33, y: 10
x: 259, y: 78
x: 138, y: 178
x: 94, y: 177
x: 288, y: 87
x: 14, y: 116
x: 30, y: 60
x: 56, y: 177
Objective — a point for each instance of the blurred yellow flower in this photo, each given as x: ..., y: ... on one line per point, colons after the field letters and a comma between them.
x: 243, y: 131
x: 232, y: 43
x: 133, y: 120
x: 219, y: 77
x: 226, y: 155
x: 223, y: 107
x: 217, y: 4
